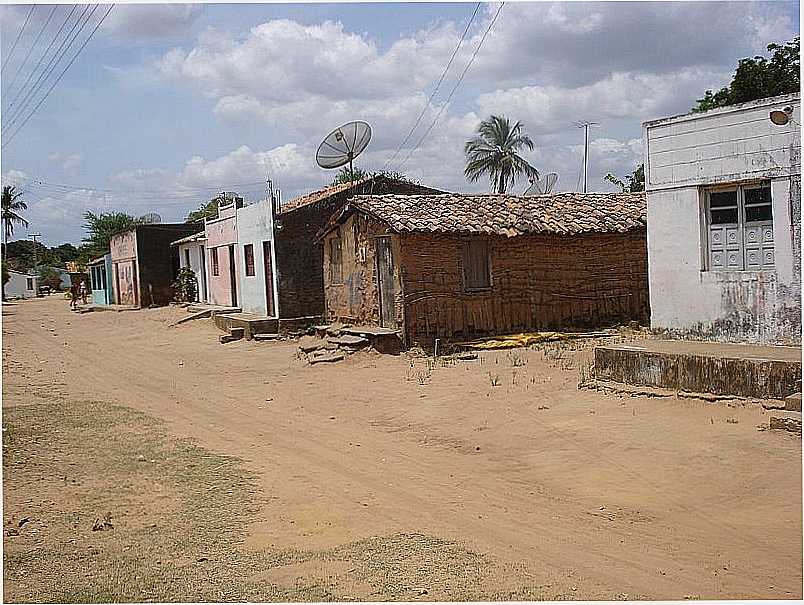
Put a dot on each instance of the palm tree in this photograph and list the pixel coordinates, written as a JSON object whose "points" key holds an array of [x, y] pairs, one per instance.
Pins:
{"points": [[494, 152], [12, 206]]}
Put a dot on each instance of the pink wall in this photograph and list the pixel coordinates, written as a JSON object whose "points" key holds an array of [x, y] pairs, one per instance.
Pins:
{"points": [[220, 233]]}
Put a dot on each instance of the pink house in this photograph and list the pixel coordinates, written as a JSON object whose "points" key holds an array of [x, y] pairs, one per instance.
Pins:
{"points": [[222, 256]]}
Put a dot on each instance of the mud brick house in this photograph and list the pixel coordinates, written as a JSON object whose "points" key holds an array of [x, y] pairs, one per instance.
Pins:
{"points": [[460, 266], [724, 222], [144, 263], [299, 253]]}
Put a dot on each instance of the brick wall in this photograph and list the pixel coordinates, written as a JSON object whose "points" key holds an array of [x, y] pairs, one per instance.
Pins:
{"points": [[158, 261], [538, 282]]}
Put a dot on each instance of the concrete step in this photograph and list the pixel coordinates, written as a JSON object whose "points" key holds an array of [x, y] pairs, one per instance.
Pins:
{"points": [[234, 334], [265, 337], [793, 402]]}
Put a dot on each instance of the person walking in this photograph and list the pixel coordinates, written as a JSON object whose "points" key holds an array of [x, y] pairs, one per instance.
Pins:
{"points": [[74, 296]]}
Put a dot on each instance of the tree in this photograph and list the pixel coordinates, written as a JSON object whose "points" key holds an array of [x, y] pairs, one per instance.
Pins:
{"points": [[12, 205], [495, 153], [48, 276], [759, 78], [206, 210], [630, 183], [101, 227], [347, 176]]}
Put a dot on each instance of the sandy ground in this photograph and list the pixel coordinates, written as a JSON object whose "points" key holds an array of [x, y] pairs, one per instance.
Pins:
{"points": [[560, 493]]}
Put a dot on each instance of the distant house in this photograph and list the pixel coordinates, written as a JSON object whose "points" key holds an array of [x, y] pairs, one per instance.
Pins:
{"points": [[21, 285], [191, 250], [299, 254], [461, 266], [724, 222], [144, 264], [220, 233], [100, 280]]}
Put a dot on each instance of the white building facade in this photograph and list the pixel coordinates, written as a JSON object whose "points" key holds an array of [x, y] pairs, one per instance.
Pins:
{"points": [[191, 254], [21, 285], [257, 262], [724, 222]]}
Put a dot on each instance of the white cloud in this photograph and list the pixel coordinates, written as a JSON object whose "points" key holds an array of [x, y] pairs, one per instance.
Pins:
{"points": [[68, 162], [150, 21]]}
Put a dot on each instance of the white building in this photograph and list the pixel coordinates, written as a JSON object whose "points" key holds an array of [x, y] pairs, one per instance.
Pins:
{"points": [[191, 254], [724, 222], [21, 285], [258, 289]]}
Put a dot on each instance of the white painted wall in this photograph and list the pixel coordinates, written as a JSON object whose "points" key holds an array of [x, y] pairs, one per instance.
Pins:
{"points": [[685, 154], [195, 249], [17, 285], [254, 226]]}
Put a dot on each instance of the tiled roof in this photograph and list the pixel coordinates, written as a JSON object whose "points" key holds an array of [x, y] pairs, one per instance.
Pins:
{"points": [[195, 237], [560, 213], [321, 194]]}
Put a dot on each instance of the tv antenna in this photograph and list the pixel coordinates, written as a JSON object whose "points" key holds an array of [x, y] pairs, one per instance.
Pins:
{"points": [[152, 218], [585, 125], [343, 145], [543, 185]]}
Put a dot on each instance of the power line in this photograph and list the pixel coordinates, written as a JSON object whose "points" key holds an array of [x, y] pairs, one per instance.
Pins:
{"points": [[61, 75], [51, 66], [42, 58], [454, 88], [435, 90], [30, 50], [161, 191], [19, 35]]}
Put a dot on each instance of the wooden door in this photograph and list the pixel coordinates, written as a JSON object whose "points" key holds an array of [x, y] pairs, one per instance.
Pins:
{"points": [[386, 286], [269, 279], [233, 274]]}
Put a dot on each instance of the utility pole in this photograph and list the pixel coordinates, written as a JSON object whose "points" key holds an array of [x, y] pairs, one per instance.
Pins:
{"points": [[33, 236], [585, 125]]}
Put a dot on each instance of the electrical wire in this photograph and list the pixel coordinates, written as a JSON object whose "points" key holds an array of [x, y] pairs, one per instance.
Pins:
{"points": [[435, 90], [30, 50], [454, 88], [44, 54], [52, 65], [19, 35], [213, 188], [61, 75]]}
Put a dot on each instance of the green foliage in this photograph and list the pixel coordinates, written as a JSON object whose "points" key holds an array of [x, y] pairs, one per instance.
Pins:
{"points": [[346, 176], [48, 276], [206, 210], [758, 78], [185, 286], [101, 227], [631, 183], [495, 153], [12, 206]]}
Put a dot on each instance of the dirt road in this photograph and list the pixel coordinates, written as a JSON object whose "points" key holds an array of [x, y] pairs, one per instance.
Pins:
{"points": [[565, 493]]}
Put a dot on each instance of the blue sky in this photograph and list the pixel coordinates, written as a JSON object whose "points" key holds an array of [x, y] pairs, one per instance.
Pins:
{"points": [[169, 103]]}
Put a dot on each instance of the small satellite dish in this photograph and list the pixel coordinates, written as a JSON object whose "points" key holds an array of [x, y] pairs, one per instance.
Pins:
{"points": [[781, 118], [152, 218], [544, 185], [343, 145]]}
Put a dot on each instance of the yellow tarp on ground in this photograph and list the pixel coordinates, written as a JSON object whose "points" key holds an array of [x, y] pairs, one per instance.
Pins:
{"points": [[524, 339]]}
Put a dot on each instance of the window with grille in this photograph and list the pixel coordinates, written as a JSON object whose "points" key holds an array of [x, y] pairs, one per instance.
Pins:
{"points": [[335, 261], [248, 255], [740, 228], [29, 283], [476, 265], [216, 268]]}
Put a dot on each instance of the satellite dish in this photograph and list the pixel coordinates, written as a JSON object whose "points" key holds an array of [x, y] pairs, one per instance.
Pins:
{"points": [[544, 185], [781, 118], [152, 218], [343, 145]]}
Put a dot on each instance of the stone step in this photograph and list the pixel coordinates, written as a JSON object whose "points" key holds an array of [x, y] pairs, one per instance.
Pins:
{"points": [[792, 403], [349, 340], [262, 337], [322, 357]]}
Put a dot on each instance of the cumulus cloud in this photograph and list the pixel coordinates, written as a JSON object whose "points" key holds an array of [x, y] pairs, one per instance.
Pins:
{"points": [[151, 21], [68, 162]]}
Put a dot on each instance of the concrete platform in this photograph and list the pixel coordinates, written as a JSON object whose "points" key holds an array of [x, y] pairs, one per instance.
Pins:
{"points": [[250, 323], [762, 372]]}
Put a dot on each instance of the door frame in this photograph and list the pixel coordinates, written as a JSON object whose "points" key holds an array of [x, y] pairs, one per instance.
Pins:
{"points": [[233, 273], [390, 257], [268, 275]]}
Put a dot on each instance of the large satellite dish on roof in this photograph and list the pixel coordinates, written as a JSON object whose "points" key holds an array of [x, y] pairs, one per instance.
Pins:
{"points": [[543, 185], [343, 145]]}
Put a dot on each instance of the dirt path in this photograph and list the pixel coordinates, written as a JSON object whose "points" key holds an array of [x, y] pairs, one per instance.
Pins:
{"points": [[593, 496]]}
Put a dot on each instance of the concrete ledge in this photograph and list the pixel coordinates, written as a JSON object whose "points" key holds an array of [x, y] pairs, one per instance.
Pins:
{"points": [[736, 370], [251, 324]]}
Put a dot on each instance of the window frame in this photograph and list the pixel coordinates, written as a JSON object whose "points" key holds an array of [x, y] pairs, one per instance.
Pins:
{"points": [[744, 230], [214, 261], [466, 246], [248, 254]]}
